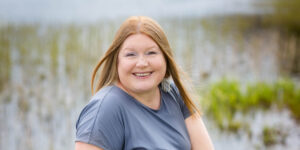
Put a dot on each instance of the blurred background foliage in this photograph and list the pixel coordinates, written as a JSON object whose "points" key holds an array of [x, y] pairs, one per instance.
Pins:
{"points": [[285, 16], [245, 66], [227, 97], [281, 16]]}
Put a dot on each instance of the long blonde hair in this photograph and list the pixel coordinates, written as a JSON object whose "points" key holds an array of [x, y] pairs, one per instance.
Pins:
{"points": [[147, 26]]}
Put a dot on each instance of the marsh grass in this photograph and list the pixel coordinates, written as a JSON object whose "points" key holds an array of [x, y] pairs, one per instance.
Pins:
{"points": [[5, 62], [283, 20], [273, 135], [284, 15], [227, 97]]}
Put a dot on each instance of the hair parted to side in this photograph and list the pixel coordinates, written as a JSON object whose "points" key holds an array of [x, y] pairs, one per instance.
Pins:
{"points": [[149, 27]]}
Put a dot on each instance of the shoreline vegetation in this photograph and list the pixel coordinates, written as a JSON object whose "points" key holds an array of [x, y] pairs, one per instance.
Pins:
{"points": [[226, 98]]}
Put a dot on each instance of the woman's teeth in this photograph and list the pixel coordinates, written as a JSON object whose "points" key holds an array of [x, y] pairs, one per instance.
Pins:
{"points": [[142, 74]]}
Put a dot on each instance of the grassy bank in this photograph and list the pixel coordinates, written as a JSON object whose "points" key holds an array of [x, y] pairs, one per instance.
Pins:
{"points": [[227, 97]]}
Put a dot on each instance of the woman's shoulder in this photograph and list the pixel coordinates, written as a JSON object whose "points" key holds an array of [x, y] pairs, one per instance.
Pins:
{"points": [[105, 103], [101, 118], [107, 100], [102, 93], [108, 97]]}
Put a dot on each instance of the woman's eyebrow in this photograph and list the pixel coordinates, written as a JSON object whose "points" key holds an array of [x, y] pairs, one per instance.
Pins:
{"points": [[153, 47], [128, 48], [148, 48]]}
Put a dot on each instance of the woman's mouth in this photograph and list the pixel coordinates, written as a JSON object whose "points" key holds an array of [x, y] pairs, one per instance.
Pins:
{"points": [[142, 75]]}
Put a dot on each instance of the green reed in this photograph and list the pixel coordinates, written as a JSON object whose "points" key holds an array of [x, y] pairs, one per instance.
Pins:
{"points": [[226, 97]]}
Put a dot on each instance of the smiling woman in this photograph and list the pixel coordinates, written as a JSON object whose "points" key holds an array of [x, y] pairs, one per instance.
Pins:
{"points": [[135, 107]]}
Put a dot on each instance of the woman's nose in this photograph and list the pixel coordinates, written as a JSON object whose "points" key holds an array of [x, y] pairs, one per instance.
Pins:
{"points": [[142, 62]]}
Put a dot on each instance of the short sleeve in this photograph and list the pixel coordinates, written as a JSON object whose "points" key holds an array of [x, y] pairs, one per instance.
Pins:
{"points": [[100, 124], [176, 94]]}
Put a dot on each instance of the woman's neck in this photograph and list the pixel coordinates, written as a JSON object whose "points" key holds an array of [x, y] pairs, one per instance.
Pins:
{"points": [[150, 98]]}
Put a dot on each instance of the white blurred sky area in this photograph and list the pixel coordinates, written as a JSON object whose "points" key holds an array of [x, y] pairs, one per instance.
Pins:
{"points": [[93, 10]]}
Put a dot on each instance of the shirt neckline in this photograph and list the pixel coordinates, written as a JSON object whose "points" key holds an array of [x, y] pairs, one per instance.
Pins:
{"points": [[141, 104]]}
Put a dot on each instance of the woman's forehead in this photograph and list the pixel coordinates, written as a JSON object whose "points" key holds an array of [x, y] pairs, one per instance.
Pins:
{"points": [[139, 40]]}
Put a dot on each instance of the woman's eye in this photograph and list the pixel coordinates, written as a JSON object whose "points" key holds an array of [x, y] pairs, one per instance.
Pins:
{"points": [[129, 54], [151, 53]]}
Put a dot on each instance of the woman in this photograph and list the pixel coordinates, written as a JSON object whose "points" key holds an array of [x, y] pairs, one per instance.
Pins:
{"points": [[135, 106]]}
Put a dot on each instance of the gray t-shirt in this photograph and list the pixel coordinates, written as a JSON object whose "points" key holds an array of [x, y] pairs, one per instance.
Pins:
{"points": [[114, 120]]}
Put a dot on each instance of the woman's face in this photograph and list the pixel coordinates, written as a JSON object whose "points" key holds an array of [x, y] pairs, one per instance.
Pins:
{"points": [[141, 64]]}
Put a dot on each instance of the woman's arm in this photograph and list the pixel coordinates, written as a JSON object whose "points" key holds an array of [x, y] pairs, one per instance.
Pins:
{"points": [[85, 146], [199, 137]]}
